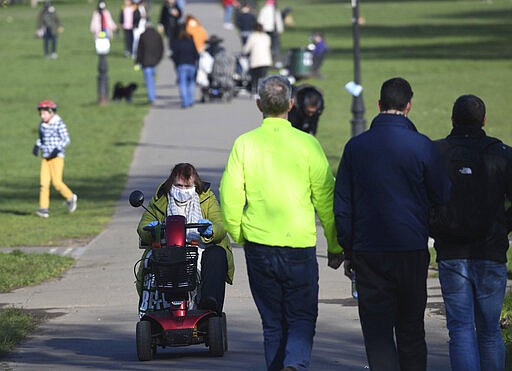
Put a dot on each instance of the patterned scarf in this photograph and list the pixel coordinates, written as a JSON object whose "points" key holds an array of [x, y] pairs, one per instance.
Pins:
{"points": [[190, 209]]}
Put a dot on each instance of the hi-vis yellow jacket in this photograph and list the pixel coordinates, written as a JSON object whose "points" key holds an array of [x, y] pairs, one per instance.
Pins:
{"points": [[275, 179]]}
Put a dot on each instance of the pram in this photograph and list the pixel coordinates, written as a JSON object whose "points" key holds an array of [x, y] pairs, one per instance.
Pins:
{"points": [[219, 84]]}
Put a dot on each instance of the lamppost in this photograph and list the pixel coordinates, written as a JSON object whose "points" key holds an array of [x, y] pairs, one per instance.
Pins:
{"points": [[102, 79], [358, 122]]}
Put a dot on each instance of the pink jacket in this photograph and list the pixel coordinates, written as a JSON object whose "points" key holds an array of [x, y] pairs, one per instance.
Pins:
{"points": [[110, 25]]}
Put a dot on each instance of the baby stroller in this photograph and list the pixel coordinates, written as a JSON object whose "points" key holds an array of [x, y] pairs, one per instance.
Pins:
{"points": [[220, 80], [168, 316]]}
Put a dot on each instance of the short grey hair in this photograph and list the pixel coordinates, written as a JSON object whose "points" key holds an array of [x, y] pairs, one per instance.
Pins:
{"points": [[275, 93]]}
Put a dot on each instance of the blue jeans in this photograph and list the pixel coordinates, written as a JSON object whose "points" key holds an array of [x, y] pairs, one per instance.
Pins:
{"points": [[49, 43], [149, 78], [187, 84], [228, 11], [284, 285], [473, 292]]}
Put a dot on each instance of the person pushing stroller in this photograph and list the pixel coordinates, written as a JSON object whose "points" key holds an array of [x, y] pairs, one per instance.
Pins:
{"points": [[216, 71]]}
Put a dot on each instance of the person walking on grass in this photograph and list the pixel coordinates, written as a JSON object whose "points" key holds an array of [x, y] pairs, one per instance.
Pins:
{"points": [[276, 178], [387, 178], [102, 24], [471, 238], [126, 22], [53, 139], [48, 28]]}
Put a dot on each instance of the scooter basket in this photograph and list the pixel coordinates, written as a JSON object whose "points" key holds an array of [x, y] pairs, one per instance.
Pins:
{"points": [[175, 269]]}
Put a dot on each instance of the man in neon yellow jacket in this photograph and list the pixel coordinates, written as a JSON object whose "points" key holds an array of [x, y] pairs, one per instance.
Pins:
{"points": [[275, 179]]}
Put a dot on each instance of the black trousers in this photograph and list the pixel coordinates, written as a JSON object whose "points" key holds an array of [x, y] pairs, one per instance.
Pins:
{"points": [[257, 74], [128, 41], [392, 291], [214, 268]]}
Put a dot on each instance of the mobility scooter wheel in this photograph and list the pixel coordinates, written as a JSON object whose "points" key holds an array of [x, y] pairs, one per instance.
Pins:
{"points": [[145, 348], [216, 341]]}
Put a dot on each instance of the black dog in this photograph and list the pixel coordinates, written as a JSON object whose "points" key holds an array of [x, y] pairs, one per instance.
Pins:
{"points": [[124, 92]]}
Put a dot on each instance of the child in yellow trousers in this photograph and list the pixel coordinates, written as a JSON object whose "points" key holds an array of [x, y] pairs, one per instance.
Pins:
{"points": [[53, 139]]}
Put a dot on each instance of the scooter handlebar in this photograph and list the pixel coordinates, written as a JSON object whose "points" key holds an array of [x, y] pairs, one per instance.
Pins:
{"points": [[187, 226], [196, 225]]}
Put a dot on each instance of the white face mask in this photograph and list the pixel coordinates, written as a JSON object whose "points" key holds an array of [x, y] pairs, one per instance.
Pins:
{"points": [[182, 194]]}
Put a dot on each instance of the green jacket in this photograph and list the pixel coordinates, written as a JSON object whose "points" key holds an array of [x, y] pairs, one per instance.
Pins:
{"points": [[50, 20], [276, 178], [211, 211]]}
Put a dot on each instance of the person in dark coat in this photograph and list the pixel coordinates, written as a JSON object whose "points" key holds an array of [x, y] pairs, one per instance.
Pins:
{"points": [[48, 28], [387, 178], [149, 54], [471, 238], [307, 108], [245, 21], [186, 57], [169, 19]]}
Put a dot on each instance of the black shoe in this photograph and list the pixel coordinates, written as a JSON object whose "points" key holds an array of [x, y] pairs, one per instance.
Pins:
{"points": [[289, 368]]}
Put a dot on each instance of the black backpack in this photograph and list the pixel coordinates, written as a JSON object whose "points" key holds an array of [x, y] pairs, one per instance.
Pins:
{"points": [[468, 216]]}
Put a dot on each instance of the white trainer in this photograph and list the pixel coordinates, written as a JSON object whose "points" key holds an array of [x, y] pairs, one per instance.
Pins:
{"points": [[72, 203]]}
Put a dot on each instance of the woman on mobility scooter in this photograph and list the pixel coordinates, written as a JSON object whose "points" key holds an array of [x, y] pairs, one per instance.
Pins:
{"points": [[183, 193]]}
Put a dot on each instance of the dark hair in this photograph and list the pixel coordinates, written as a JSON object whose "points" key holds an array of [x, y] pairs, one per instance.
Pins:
{"points": [[312, 98], [275, 93], [182, 32], [395, 93], [186, 171], [468, 110], [101, 6]]}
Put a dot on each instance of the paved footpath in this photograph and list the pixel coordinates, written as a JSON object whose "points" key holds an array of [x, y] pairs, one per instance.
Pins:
{"points": [[92, 308]]}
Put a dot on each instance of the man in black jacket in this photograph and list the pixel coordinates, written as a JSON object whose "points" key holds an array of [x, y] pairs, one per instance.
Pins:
{"points": [[169, 19], [149, 54], [471, 238]]}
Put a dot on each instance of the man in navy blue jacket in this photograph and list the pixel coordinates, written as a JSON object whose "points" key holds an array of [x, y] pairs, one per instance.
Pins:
{"points": [[387, 178]]}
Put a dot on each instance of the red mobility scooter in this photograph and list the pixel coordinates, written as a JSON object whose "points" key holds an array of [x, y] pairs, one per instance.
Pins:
{"points": [[171, 277]]}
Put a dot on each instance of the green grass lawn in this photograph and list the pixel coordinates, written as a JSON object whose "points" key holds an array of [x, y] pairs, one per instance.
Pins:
{"points": [[102, 138], [15, 265], [15, 325]]}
